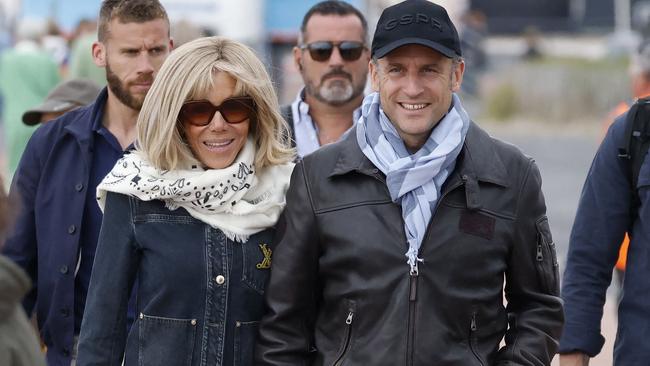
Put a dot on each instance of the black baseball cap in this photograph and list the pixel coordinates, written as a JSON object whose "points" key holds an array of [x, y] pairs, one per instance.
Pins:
{"points": [[415, 22]]}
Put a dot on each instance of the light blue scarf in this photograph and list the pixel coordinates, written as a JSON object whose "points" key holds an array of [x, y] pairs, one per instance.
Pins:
{"points": [[414, 181]]}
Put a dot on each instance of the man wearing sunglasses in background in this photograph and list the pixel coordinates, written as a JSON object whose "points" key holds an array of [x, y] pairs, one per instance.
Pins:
{"points": [[332, 57], [56, 230]]}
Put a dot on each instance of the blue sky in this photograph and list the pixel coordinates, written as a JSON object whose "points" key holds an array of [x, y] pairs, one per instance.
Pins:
{"points": [[281, 15]]}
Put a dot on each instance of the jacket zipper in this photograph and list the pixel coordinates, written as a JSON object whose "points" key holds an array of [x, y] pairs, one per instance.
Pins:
{"points": [[413, 287], [413, 296], [548, 279], [540, 253], [348, 334], [540, 263], [472, 338]]}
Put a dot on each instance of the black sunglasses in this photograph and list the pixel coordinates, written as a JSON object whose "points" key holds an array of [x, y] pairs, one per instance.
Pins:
{"points": [[322, 50], [233, 110]]}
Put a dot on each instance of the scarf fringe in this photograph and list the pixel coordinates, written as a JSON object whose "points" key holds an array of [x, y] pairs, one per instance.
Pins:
{"points": [[239, 238]]}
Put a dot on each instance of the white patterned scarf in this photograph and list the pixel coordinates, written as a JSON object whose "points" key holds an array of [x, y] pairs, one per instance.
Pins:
{"points": [[236, 200], [414, 181]]}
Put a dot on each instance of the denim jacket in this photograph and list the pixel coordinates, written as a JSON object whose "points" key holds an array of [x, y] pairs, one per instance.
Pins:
{"points": [[199, 295]]}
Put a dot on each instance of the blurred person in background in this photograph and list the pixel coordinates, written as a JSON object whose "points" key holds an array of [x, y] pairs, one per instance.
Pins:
{"points": [[27, 74], [58, 224], [82, 64], [472, 37], [55, 43], [84, 26], [332, 57], [639, 72], [532, 44], [19, 345], [184, 31], [68, 95], [191, 213], [607, 235]]}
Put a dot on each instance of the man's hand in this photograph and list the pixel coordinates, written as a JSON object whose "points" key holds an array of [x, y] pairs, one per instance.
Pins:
{"points": [[574, 359]]}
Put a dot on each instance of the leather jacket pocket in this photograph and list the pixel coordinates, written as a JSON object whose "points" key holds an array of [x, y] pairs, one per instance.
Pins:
{"points": [[347, 333], [473, 338], [546, 259], [245, 333], [256, 264], [165, 341]]}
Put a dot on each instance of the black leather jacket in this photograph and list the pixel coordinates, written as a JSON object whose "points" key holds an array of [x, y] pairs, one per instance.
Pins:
{"points": [[340, 291]]}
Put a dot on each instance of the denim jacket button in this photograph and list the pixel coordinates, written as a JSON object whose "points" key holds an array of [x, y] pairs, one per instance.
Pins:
{"points": [[193, 322], [141, 316], [220, 279]]}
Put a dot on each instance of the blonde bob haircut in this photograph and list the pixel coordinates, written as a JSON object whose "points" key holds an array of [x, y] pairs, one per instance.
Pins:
{"points": [[188, 74]]}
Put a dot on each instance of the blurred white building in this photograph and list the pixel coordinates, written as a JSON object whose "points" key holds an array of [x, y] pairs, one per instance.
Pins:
{"points": [[242, 20]]}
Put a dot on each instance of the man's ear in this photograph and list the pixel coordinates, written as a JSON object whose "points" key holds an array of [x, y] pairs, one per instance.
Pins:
{"points": [[374, 75], [99, 54], [297, 57], [457, 76]]}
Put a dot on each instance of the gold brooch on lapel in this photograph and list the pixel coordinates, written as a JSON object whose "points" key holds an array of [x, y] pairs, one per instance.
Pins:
{"points": [[266, 262]]}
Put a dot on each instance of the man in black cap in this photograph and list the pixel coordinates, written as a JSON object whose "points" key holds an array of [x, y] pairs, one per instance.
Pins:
{"points": [[399, 242]]}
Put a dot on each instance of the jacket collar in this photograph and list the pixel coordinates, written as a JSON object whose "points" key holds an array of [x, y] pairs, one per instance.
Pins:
{"points": [[478, 160], [82, 126], [351, 158]]}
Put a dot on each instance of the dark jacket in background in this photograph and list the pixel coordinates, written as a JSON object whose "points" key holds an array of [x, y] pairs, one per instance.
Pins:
{"points": [[340, 290], [200, 295], [604, 216], [51, 183]]}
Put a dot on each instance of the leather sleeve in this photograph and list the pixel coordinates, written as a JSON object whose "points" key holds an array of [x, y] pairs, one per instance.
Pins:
{"points": [[286, 331], [534, 309]]}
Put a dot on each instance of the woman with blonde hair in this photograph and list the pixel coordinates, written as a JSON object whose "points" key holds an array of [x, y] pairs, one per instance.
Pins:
{"points": [[190, 213]]}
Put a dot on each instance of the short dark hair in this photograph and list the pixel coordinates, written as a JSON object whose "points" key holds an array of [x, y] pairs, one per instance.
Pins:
{"points": [[334, 7], [127, 11]]}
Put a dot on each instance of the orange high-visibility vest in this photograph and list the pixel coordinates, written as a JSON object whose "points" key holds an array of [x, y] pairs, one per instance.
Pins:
{"points": [[622, 254]]}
